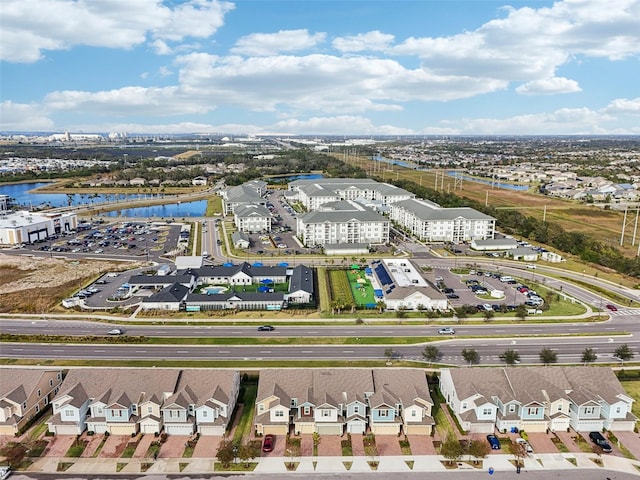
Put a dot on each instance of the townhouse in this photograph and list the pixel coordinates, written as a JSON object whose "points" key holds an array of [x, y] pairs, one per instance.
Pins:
{"points": [[127, 401], [537, 399], [339, 401], [429, 222], [25, 393]]}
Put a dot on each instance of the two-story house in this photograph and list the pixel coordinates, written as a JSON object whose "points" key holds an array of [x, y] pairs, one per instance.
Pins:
{"points": [[535, 399], [127, 401], [334, 402], [25, 393]]}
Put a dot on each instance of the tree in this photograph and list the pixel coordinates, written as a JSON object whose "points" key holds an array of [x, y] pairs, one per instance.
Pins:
{"points": [[623, 352], [510, 356], [548, 356], [451, 449], [380, 305], [401, 314], [488, 315], [390, 353], [471, 356], [521, 311], [431, 353], [589, 356], [316, 442], [248, 451], [225, 453], [479, 449]]}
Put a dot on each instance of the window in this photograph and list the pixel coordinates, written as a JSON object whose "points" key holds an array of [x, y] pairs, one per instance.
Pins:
{"points": [[205, 413], [279, 413], [326, 413], [618, 409], [464, 406], [59, 376], [589, 410], [512, 408], [486, 411], [307, 410], [383, 413], [68, 413], [356, 409], [39, 393], [533, 411], [24, 404], [559, 407], [414, 413], [173, 414], [149, 409], [99, 411], [46, 400], [51, 382], [260, 407], [37, 408]]}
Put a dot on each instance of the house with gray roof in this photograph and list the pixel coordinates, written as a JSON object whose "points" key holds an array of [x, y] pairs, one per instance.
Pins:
{"points": [[24, 394], [240, 240], [240, 195], [535, 399], [430, 222], [338, 401], [126, 401], [342, 222], [300, 285]]}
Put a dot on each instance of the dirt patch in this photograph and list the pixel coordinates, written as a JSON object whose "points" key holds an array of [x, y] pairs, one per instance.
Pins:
{"points": [[37, 284]]}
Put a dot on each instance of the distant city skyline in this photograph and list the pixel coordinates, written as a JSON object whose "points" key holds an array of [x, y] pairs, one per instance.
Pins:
{"points": [[321, 67]]}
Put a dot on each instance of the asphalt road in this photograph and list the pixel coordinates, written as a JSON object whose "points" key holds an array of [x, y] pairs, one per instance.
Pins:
{"points": [[488, 349]]}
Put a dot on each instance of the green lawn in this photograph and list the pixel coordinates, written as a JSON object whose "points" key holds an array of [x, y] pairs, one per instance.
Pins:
{"points": [[632, 387], [245, 424], [362, 292]]}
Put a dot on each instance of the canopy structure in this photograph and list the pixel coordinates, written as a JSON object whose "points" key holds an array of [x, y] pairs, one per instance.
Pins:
{"points": [[355, 267]]}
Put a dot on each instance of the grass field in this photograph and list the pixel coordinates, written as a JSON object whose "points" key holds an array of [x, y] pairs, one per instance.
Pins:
{"points": [[362, 292], [340, 287], [633, 388]]}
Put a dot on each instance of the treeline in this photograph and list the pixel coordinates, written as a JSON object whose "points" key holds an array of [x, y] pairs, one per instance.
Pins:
{"points": [[51, 174], [516, 223]]}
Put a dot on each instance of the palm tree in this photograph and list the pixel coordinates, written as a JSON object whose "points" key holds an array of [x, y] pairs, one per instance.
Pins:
{"points": [[380, 305]]}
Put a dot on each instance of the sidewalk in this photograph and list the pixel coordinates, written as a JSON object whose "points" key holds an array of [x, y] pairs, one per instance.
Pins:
{"points": [[359, 464]]}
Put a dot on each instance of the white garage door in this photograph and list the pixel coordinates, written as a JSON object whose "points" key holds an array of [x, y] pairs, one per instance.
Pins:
{"points": [[149, 428], [356, 427], [178, 429]]}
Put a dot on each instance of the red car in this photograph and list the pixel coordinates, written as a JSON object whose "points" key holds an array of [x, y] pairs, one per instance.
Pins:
{"points": [[613, 308], [267, 445]]}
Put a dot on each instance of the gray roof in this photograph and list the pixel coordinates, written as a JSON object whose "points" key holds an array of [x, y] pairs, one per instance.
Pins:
{"points": [[242, 296], [175, 293], [301, 279], [231, 270], [426, 210], [366, 215], [16, 384], [237, 236], [243, 193], [497, 242], [159, 279], [539, 384], [404, 386], [245, 211]]}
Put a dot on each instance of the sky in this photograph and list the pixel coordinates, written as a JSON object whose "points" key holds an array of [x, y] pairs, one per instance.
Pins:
{"points": [[321, 67]]}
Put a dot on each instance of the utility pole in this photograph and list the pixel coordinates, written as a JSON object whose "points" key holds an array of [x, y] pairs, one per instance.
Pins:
{"points": [[486, 199], [544, 214], [635, 228], [624, 224]]}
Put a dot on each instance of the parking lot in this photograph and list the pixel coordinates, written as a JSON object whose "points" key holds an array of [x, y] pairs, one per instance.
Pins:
{"points": [[476, 288]]}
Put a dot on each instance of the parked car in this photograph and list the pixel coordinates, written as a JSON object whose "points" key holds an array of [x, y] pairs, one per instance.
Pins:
{"points": [[446, 331], [267, 444], [452, 296], [525, 445], [493, 441], [598, 439], [266, 328]]}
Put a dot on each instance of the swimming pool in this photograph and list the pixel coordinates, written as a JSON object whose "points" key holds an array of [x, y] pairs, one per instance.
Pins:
{"points": [[215, 290]]}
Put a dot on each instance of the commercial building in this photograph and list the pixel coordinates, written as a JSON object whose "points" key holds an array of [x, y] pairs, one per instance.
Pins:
{"points": [[27, 227]]}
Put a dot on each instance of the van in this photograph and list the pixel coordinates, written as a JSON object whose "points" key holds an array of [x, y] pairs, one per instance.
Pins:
{"points": [[506, 279], [205, 254]]}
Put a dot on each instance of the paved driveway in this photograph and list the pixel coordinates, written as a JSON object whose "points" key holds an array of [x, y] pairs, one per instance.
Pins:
{"points": [[174, 446], [357, 445], [143, 445], [58, 445], [207, 447], [331, 446], [541, 442], [94, 442], [421, 445], [631, 440], [279, 446], [567, 439], [388, 445], [114, 446]]}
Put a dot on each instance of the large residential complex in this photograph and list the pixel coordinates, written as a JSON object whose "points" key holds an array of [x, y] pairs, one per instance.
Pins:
{"points": [[537, 399], [342, 222], [429, 222]]}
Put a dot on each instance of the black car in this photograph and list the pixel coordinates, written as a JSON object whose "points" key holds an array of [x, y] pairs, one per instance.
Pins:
{"points": [[598, 439], [452, 296], [266, 328], [493, 441]]}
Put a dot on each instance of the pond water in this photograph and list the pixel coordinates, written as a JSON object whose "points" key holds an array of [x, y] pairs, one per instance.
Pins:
{"points": [[185, 209]]}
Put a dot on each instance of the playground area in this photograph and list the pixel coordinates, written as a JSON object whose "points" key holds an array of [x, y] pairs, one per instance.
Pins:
{"points": [[361, 288]]}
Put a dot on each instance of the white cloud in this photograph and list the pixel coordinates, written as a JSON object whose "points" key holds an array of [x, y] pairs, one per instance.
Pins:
{"points": [[337, 125], [624, 106], [549, 86], [284, 41], [24, 117], [161, 47], [370, 41], [30, 27]]}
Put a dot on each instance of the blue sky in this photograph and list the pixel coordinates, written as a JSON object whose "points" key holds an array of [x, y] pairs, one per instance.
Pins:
{"points": [[360, 67]]}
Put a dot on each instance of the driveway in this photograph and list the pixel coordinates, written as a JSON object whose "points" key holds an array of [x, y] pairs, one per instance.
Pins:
{"points": [[357, 444], [541, 442], [388, 445], [143, 445], [331, 446], [279, 446], [207, 447], [631, 440], [421, 445], [174, 446], [306, 445], [568, 439], [59, 445], [114, 446], [92, 446]]}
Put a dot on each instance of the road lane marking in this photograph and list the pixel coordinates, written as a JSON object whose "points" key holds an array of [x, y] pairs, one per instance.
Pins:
{"points": [[306, 351], [141, 351], [182, 351], [265, 351], [98, 351], [347, 351], [223, 351]]}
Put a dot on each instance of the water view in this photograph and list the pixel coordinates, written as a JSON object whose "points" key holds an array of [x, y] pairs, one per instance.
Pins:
{"points": [[170, 210]]}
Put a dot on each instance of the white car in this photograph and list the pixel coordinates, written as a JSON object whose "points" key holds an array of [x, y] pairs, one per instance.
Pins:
{"points": [[531, 266], [527, 448], [115, 331], [446, 331]]}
